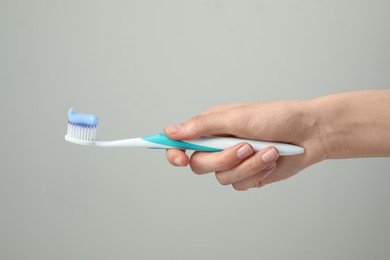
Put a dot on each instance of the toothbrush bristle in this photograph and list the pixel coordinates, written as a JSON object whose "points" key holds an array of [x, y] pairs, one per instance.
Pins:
{"points": [[82, 126], [81, 132]]}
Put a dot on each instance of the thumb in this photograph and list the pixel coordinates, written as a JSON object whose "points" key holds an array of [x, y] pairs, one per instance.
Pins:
{"points": [[200, 125]]}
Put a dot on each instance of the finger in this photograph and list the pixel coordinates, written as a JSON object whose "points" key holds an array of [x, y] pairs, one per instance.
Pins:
{"points": [[202, 162], [255, 180], [250, 167], [288, 166], [177, 157], [208, 124]]}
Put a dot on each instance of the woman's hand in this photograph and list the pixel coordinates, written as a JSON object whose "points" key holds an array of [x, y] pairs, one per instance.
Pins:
{"points": [[346, 125], [239, 166]]}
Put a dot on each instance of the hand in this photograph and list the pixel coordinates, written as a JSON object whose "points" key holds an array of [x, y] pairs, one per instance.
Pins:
{"points": [[239, 166]]}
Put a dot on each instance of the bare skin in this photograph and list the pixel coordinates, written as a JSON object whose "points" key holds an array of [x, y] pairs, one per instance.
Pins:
{"points": [[346, 125]]}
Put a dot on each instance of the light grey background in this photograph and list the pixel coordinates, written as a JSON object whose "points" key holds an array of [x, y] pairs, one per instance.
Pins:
{"points": [[141, 65]]}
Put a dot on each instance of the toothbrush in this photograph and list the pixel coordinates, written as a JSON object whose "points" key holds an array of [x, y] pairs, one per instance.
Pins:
{"points": [[82, 131]]}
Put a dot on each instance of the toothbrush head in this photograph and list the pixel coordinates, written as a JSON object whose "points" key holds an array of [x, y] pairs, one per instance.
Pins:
{"points": [[81, 127]]}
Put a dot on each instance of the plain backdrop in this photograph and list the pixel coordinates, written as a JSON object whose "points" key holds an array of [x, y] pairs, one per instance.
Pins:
{"points": [[141, 65]]}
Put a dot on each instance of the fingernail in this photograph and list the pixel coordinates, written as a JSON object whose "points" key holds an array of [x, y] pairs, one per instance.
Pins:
{"points": [[244, 151], [270, 156], [178, 161], [172, 129]]}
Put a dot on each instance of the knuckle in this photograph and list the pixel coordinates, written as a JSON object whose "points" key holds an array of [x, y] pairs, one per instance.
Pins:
{"points": [[221, 178], [226, 160], [197, 120], [252, 166]]}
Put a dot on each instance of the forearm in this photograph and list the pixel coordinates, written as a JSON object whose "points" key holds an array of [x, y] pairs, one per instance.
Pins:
{"points": [[355, 124]]}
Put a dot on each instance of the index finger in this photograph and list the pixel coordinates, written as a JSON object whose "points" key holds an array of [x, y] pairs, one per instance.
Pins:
{"points": [[204, 162]]}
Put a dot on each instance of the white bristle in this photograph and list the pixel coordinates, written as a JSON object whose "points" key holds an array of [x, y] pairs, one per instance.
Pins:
{"points": [[85, 133]]}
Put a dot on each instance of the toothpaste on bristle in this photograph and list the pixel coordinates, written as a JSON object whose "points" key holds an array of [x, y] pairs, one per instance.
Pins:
{"points": [[82, 126]]}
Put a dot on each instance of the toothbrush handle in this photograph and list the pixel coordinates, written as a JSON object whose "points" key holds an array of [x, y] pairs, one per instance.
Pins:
{"points": [[216, 144]]}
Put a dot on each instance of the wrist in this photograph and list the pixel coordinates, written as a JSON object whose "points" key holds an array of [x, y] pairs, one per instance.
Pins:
{"points": [[314, 137], [353, 124], [324, 112]]}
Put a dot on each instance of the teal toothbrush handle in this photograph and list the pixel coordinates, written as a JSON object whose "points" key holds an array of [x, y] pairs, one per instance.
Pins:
{"points": [[217, 144]]}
